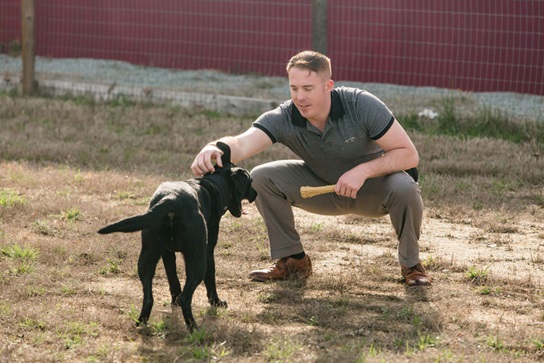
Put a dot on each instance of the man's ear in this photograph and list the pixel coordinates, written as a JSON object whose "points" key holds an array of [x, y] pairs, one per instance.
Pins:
{"points": [[226, 152], [329, 85]]}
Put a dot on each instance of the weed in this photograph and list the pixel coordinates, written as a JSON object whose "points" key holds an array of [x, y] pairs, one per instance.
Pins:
{"points": [[477, 276], [43, 228], [448, 123], [75, 331], [198, 352], [16, 251], [199, 336], [477, 206], [23, 268], [220, 351], [206, 352], [211, 114], [410, 122], [495, 342], [4, 308], [125, 195], [86, 100], [281, 350], [313, 321], [112, 268], [317, 227], [425, 341], [432, 263], [31, 324], [120, 100], [71, 215], [10, 198], [68, 291], [132, 313], [493, 123], [373, 351], [159, 328], [36, 291], [79, 177]]}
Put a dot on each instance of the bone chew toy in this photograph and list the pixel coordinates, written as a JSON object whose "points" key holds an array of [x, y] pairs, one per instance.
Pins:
{"points": [[308, 192]]}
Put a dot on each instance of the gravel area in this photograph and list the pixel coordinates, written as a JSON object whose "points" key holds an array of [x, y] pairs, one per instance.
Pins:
{"points": [[96, 76]]}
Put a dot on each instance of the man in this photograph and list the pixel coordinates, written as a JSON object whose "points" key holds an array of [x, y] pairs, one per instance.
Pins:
{"points": [[344, 136]]}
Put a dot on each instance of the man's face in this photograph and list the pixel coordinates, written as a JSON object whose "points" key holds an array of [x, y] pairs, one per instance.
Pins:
{"points": [[310, 93]]}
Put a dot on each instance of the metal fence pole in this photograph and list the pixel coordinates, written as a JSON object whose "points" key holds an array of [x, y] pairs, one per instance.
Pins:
{"points": [[28, 55], [319, 26]]}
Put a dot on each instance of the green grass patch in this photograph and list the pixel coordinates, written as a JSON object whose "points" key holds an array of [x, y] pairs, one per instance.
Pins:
{"points": [[486, 122], [10, 198], [16, 251]]}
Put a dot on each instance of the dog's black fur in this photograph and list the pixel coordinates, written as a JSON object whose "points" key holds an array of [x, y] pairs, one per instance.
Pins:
{"points": [[184, 217]]}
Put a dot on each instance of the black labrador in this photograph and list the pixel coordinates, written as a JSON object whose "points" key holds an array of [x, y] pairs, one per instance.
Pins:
{"points": [[184, 217]]}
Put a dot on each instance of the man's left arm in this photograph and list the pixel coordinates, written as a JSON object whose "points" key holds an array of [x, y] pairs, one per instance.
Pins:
{"points": [[399, 154]]}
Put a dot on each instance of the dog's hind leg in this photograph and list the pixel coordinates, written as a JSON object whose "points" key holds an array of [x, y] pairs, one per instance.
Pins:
{"points": [[194, 254], [147, 264], [169, 261]]}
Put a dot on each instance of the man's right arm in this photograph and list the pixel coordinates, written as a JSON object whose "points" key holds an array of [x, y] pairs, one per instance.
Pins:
{"points": [[243, 146]]}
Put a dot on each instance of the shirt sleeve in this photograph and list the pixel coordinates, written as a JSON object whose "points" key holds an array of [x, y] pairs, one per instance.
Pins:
{"points": [[373, 114], [274, 123]]}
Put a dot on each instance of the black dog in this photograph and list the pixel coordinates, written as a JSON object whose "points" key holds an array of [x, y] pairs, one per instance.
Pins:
{"points": [[184, 217]]}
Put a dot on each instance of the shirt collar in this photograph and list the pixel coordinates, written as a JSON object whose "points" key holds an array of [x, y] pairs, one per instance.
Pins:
{"points": [[337, 110]]}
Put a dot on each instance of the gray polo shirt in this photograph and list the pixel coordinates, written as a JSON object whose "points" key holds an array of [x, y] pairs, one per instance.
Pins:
{"points": [[356, 119]]}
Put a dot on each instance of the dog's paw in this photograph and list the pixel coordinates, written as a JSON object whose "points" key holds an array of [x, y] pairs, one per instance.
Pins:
{"points": [[176, 300], [141, 322], [218, 303]]}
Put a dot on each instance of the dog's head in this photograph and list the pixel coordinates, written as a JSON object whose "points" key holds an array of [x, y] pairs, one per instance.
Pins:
{"points": [[241, 189], [239, 182]]}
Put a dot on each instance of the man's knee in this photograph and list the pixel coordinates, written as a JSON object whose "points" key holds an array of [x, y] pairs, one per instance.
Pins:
{"points": [[405, 190], [260, 176]]}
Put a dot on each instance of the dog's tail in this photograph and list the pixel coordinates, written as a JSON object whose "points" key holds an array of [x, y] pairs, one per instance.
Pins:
{"points": [[153, 217]]}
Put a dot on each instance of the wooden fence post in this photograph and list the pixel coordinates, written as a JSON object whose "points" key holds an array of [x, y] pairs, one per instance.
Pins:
{"points": [[319, 26], [28, 56]]}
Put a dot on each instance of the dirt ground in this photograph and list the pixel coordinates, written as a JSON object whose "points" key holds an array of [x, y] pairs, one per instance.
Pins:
{"points": [[68, 167]]}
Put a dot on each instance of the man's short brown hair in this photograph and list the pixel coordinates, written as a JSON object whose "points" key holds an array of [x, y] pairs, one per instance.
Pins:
{"points": [[312, 61]]}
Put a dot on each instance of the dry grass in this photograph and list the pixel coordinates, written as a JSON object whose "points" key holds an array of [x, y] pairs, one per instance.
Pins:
{"points": [[68, 294]]}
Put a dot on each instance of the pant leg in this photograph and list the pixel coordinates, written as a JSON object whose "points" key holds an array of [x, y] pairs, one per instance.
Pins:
{"points": [[278, 190], [278, 186], [400, 197]]}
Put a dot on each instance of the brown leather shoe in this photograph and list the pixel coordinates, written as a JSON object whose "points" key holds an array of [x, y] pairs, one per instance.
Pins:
{"points": [[416, 276], [284, 268]]}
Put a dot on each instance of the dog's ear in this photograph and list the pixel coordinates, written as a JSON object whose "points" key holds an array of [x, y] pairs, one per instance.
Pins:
{"points": [[226, 153], [241, 181]]}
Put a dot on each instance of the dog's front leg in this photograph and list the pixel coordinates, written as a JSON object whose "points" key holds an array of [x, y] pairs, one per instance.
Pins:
{"points": [[209, 278], [211, 287]]}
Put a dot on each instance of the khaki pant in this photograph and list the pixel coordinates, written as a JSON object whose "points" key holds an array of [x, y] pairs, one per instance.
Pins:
{"points": [[278, 186]]}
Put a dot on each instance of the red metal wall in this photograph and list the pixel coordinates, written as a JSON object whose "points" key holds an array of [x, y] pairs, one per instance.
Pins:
{"points": [[465, 44], [474, 45], [10, 23]]}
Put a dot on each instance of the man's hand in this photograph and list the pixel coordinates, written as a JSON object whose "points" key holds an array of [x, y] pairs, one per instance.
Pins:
{"points": [[349, 184], [204, 161]]}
